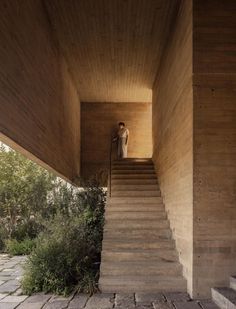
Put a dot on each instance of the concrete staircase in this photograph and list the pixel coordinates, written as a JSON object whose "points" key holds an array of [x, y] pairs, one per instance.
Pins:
{"points": [[138, 253], [225, 297]]}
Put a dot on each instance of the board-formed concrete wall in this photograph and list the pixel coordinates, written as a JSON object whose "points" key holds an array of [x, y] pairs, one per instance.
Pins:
{"points": [[173, 131], [214, 80], [39, 105], [99, 121]]}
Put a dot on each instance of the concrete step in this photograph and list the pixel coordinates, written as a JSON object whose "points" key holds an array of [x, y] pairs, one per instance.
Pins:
{"points": [[135, 193], [132, 284], [130, 215], [134, 244], [141, 268], [133, 176], [137, 187], [133, 182], [134, 200], [133, 167], [133, 171], [135, 208], [160, 255], [225, 298], [133, 160], [233, 282], [137, 234], [114, 224]]}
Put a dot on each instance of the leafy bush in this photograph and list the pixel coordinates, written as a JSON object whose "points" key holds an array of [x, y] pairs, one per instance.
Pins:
{"points": [[24, 247], [3, 237], [68, 251], [62, 224], [24, 190]]}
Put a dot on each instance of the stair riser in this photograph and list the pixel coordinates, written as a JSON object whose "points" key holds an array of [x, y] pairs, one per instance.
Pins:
{"points": [[131, 172], [129, 286], [135, 215], [139, 245], [135, 187], [134, 200], [126, 288], [134, 256], [137, 234], [136, 193], [221, 301], [133, 167], [117, 224], [132, 271], [133, 176], [233, 283], [142, 209], [152, 181], [130, 161]]}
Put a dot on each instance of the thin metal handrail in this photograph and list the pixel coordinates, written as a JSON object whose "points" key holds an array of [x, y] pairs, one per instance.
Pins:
{"points": [[110, 164]]}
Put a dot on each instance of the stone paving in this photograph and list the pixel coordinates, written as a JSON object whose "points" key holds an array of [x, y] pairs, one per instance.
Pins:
{"points": [[11, 295]]}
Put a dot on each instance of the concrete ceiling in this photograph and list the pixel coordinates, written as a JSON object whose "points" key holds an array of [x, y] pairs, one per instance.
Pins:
{"points": [[113, 47]]}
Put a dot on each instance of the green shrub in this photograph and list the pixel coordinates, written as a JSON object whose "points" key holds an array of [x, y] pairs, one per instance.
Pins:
{"points": [[65, 257], [26, 229], [23, 247], [3, 237], [68, 251]]}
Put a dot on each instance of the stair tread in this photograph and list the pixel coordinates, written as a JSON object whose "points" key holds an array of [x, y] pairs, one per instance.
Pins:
{"points": [[146, 278], [226, 293]]}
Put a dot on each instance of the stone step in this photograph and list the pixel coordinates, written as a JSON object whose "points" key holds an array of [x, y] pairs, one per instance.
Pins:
{"points": [[133, 171], [135, 208], [233, 282], [141, 215], [133, 176], [133, 182], [137, 234], [128, 224], [134, 200], [138, 187], [133, 160], [141, 268], [132, 284], [134, 244], [135, 255], [225, 297], [135, 193], [133, 167]]}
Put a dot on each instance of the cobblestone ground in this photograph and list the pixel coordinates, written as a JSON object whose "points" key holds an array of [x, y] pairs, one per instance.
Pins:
{"points": [[11, 295]]}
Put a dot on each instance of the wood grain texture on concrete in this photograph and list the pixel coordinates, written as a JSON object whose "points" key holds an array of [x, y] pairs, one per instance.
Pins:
{"points": [[113, 48], [39, 105], [214, 87], [172, 134], [99, 121]]}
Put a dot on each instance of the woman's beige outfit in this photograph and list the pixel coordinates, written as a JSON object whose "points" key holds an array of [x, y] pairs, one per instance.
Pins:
{"points": [[122, 135]]}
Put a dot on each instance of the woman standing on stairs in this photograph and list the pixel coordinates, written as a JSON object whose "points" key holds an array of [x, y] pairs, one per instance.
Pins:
{"points": [[122, 138]]}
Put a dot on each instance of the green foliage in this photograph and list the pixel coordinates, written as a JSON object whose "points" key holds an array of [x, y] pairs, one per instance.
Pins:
{"points": [[68, 251], [23, 247], [24, 189], [60, 224]]}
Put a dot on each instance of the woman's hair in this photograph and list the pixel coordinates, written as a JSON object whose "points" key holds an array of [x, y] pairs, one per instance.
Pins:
{"points": [[121, 124]]}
